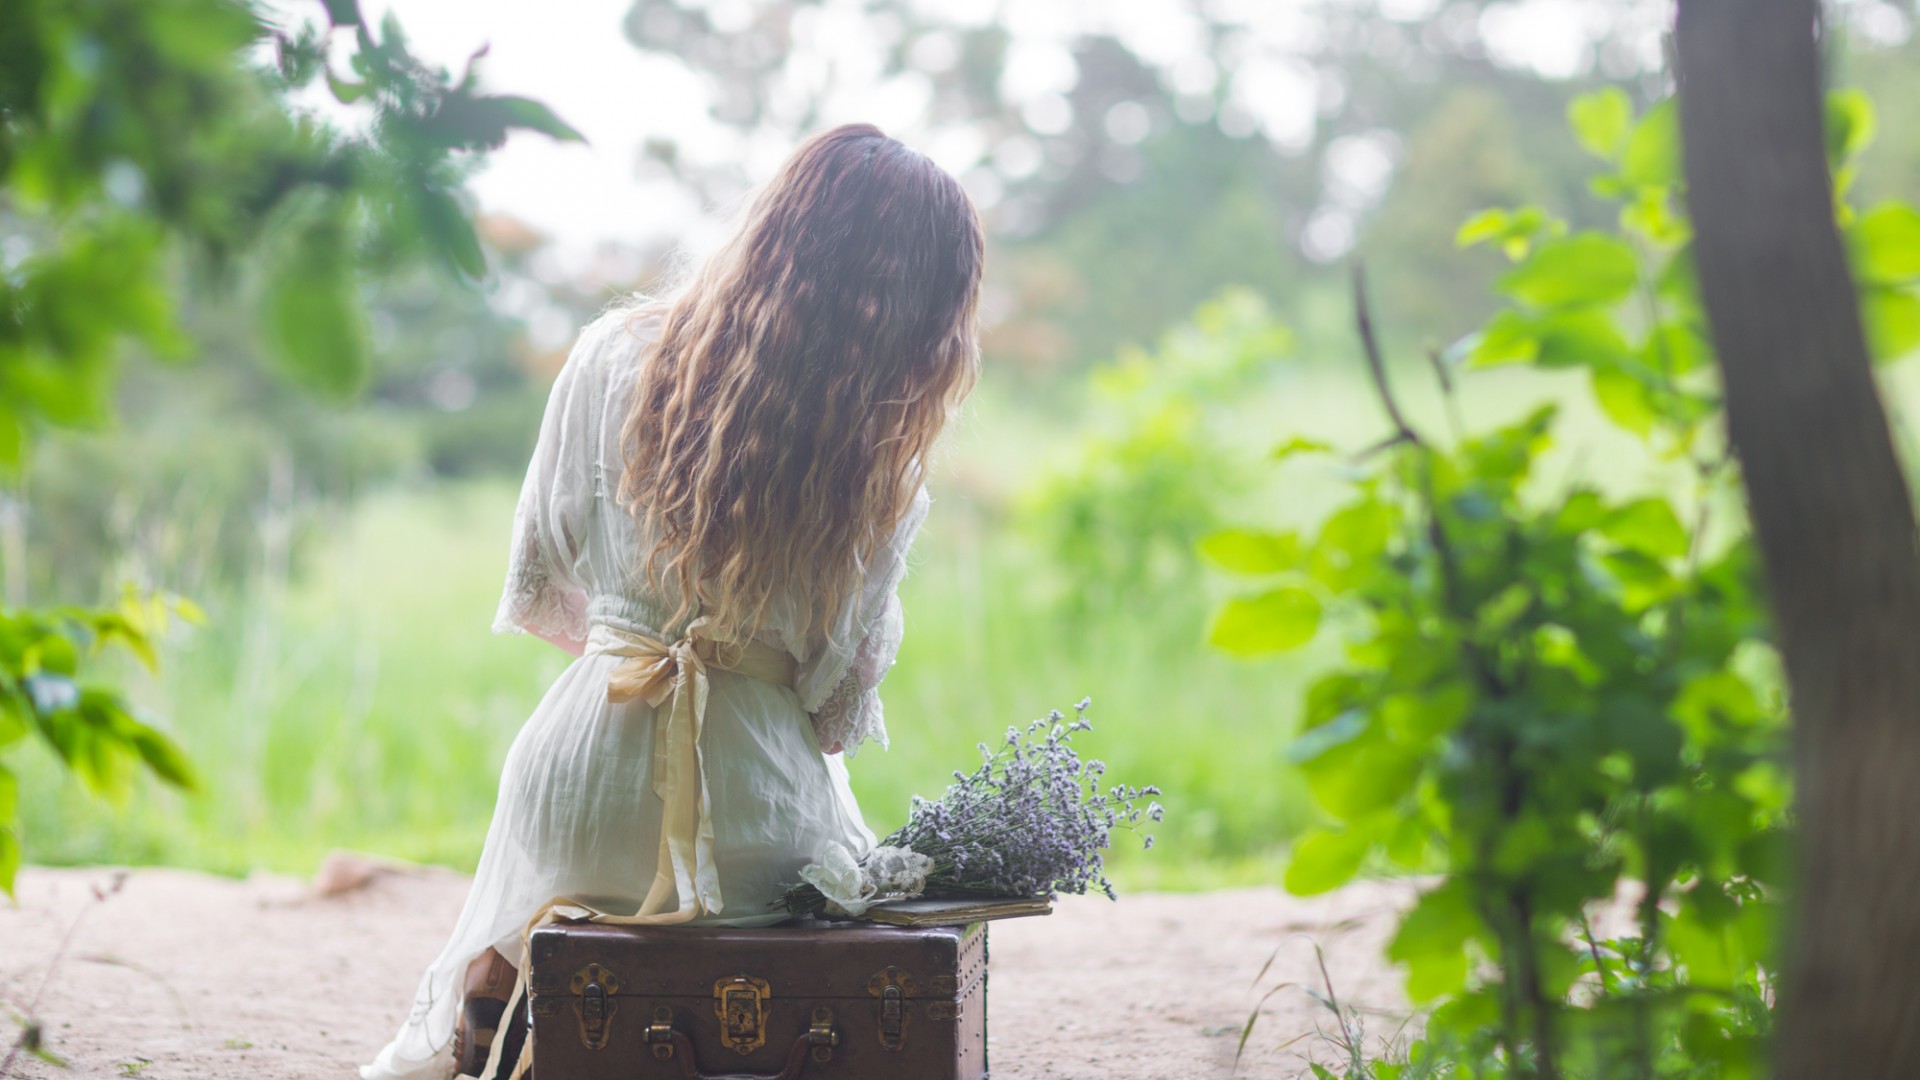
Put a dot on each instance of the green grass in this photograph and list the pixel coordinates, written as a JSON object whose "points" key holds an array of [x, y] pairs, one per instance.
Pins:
{"points": [[362, 702], [366, 706]]}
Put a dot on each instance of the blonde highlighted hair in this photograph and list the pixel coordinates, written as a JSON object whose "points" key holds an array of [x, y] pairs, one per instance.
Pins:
{"points": [[780, 419]]}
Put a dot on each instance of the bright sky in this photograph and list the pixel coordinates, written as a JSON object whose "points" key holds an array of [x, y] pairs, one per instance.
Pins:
{"points": [[573, 55]]}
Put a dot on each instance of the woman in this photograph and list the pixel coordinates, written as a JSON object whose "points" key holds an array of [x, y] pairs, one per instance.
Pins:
{"points": [[715, 521]]}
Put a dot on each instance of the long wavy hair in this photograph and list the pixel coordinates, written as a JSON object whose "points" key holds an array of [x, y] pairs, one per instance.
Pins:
{"points": [[782, 416]]}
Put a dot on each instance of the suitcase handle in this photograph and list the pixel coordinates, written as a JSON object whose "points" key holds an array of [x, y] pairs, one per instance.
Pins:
{"points": [[814, 1044], [683, 1049]]}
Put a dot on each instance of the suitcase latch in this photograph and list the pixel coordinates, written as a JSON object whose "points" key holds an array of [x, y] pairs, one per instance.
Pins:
{"points": [[593, 991], [892, 987], [741, 1003]]}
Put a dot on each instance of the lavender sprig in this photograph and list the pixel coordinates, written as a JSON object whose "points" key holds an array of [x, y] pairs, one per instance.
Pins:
{"points": [[1031, 820]]}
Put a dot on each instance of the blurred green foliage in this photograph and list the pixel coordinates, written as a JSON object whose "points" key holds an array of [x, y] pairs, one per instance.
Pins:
{"points": [[144, 154], [1564, 700], [1119, 518], [345, 692]]}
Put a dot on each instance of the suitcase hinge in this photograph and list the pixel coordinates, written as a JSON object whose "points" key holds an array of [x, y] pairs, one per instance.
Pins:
{"points": [[821, 1035], [594, 988], [741, 1003], [660, 1033], [892, 988]]}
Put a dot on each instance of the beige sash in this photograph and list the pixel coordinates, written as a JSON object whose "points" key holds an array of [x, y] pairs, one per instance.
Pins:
{"points": [[673, 676], [676, 676]]}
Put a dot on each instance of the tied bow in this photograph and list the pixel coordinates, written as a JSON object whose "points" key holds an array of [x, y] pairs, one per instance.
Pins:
{"points": [[673, 676], [673, 679]]}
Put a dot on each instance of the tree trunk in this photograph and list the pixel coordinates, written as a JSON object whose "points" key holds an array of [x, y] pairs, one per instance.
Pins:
{"points": [[1834, 521]]}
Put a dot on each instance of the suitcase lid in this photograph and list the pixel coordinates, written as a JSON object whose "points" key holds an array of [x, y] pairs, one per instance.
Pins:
{"points": [[813, 960]]}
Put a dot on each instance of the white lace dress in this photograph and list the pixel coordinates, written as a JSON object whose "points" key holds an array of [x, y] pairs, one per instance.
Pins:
{"points": [[577, 815]]}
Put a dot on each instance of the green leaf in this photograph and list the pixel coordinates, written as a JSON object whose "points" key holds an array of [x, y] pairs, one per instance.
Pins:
{"points": [[1299, 445], [1886, 244], [1323, 860], [1652, 154], [1481, 227], [534, 116], [1709, 953], [187, 610], [1652, 740], [343, 12], [1558, 647], [1601, 121], [1499, 612], [9, 859], [1576, 338], [1851, 125], [1362, 776], [1415, 716], [1350, 544], [1432, 942], [1714, 700], [1892, 318], [1678, 287], [13, 717], [447, 226], [344, 92], [1467, 1015], [1586, 268], [1508, 338], [166, 759], [1651, 214], [9, 797], [1554, 339], [1514, 230], [1644, 581], [483, 121], [1583, 510], [1276, 621], [1677, 349], [1648, 526], [1251, 551], [1625, 398], [13, 441], [1321, 738]]}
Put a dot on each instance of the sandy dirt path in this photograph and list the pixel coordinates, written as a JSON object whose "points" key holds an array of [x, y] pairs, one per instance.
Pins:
{"points": [[183, 975]]}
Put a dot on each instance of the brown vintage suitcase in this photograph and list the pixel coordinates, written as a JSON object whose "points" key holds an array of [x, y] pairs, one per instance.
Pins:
{"points": [[821, 1000]]}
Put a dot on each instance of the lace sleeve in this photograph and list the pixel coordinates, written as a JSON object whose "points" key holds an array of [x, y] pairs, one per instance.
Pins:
{"points": [[839, 684], [544, 590], [537, 599], [852, 714]]}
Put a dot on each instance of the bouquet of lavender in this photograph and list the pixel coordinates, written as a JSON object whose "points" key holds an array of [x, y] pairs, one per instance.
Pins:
{"points": [[1032, 820]]}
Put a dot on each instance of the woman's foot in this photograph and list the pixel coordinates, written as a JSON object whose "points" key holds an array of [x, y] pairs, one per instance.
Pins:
{"points": [[489, 987]]}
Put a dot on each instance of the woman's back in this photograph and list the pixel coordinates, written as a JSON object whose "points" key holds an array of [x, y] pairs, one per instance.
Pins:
{"points": [[715, 522], [577, 554]]}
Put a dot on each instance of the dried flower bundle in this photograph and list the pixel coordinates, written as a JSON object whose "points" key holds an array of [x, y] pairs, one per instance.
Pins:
{"points": [[1031, 820]]}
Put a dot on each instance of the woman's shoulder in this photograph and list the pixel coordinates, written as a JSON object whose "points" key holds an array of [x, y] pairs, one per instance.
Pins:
{"points": [[621, 334]]}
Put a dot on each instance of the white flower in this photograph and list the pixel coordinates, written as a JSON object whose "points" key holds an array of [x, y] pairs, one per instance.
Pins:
{"points": [[898, 872], [839, 878]]}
